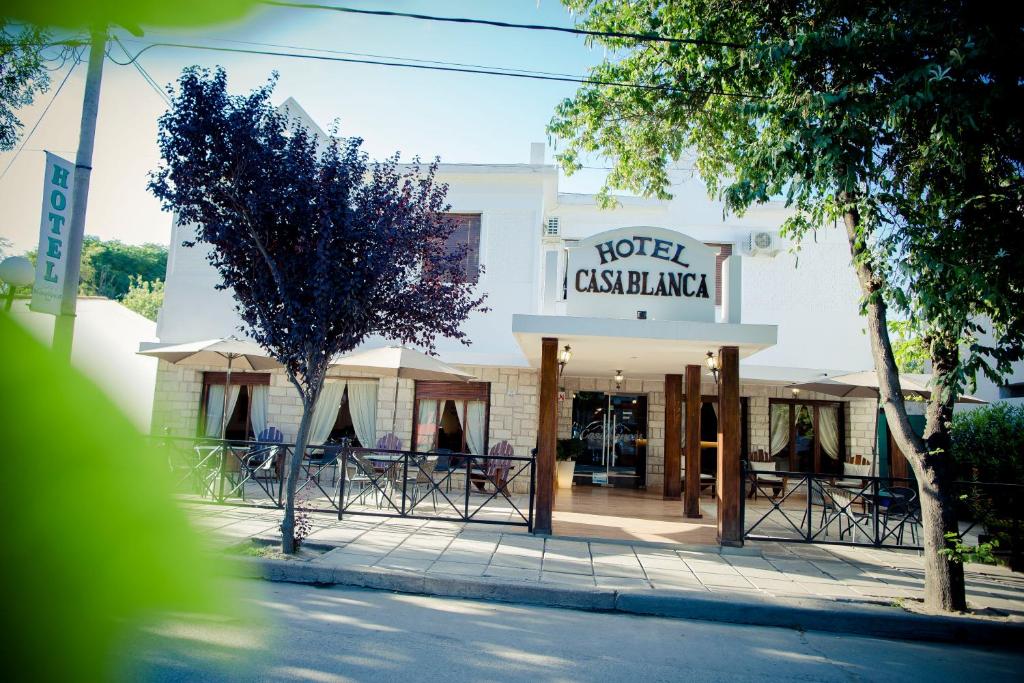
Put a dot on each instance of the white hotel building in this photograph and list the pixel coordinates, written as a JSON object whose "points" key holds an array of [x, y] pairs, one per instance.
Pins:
{"points": [[792, 316]]}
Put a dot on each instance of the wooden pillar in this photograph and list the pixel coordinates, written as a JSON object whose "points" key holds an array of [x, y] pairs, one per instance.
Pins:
{"points": [[673, 437], [547, 435], [730, 524], [691, 499]]}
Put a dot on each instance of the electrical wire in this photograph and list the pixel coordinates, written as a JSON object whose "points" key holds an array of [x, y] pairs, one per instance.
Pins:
{"points": [[142, 72], [450, 69], [78, 60], [370, 55], [640, 37]]}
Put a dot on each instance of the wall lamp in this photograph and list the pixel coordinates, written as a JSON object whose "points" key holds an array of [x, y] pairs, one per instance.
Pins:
{"points": [[564, 356], [618, 379], [712, 364]]}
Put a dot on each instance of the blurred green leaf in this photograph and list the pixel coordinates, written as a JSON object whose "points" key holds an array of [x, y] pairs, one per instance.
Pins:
{"points": [[127, 13], [94, 542]]}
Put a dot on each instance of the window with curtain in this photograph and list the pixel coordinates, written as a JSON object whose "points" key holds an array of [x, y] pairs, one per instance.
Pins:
{"points": [[807, 435], [245, 404], [451, 416]]}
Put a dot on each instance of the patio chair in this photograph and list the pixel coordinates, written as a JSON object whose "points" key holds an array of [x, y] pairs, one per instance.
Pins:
{"points": [[264, 459], [322, 459], [424, 477], [360, 473], [904, 507], [443, 465], [763, 468], [499, 467]]}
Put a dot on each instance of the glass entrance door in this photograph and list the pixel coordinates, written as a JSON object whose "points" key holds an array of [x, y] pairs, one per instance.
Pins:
{"points": [[613, 432]]}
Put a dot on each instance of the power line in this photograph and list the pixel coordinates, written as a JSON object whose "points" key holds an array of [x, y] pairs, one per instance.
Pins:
{"points": [[142, 72], [450, 69], [640, 37], [78, 60], [373, 56]]}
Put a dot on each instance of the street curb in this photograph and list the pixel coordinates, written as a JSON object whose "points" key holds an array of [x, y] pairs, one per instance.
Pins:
{"points": [[804, 614]]}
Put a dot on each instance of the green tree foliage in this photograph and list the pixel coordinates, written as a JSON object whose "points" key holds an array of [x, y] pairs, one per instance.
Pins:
{"points": [[109, 266], [988, 443], [81, 578], [23, 75], [145, 297], [897, 120], [908, 347]]}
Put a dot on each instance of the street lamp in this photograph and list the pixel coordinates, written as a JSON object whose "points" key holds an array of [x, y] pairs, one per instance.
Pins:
{"points": [[712, 364], [16, 271]]}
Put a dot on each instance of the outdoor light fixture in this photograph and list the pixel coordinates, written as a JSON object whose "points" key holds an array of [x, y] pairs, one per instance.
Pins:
{"points": [[564, 356], [618, 379], [796, 392], [712, 364]]}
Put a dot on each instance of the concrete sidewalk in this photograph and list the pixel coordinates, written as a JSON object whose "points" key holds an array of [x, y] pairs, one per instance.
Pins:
{"points": [[824, 579]]}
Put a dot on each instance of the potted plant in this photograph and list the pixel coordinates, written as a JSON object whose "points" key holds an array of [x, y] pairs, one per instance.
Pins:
{"points": [[565, 454]]}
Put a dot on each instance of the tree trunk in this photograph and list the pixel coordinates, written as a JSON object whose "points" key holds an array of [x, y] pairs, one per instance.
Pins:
{"points": [[944, 585], [938, 506], [293, 469]]}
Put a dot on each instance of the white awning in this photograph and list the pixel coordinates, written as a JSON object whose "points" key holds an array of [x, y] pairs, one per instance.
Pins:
{"points": [[640, 348]]}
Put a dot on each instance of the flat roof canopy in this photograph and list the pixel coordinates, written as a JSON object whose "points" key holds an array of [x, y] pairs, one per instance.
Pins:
{"points": [[640, 348]]}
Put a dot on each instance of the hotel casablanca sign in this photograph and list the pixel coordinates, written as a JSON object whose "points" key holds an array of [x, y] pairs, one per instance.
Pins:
{"points": [[641, 272]]}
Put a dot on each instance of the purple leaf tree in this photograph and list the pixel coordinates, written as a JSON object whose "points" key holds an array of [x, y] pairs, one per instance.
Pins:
{"points": [[320, 246]]}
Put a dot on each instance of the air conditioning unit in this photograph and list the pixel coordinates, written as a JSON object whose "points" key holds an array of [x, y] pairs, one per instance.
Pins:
{"points": [[551, 228], [762, 244]]}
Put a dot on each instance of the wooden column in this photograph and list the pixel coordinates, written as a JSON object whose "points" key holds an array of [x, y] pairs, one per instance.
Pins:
{"points": [[673, 437], [730, 524], [691, 499], [547, 435]]}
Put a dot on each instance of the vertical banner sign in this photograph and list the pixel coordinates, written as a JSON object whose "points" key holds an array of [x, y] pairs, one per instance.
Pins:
{"points": [[51, 258]]}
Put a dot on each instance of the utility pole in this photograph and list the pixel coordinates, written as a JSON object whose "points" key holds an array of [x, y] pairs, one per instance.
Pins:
{"points": [[64, 327]]}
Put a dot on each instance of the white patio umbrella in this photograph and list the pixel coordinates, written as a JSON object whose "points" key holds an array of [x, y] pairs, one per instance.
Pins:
{"points": [[865, 385], [400, 362], [230, 353]]}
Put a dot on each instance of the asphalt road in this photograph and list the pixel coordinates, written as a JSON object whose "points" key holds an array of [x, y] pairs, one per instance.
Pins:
{"points": [[300, 632]]}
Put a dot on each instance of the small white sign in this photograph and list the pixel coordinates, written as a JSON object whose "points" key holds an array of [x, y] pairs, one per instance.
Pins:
{"points": [[54, 226], [643, 272], [599, 479]]}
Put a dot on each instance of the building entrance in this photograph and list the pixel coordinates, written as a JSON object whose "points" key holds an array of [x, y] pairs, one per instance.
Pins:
{"points": [[612, 429]]}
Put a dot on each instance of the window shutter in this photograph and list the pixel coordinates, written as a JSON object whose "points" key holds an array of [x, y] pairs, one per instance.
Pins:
{"points": [[467, 231]]}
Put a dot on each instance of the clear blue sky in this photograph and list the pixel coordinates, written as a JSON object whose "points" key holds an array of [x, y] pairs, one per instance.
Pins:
{"points": [[459, 117]]}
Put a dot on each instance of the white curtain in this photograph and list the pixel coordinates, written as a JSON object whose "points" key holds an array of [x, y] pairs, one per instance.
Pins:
{"points": [[215, 408], [779, 428], [426, 425], [475, 426], [325, 413], [362, 405], [258, 408], [828, 428], [460, 413]]}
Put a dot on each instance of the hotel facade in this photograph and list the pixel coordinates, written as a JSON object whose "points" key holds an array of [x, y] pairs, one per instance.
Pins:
{"points": [[623, 300]]}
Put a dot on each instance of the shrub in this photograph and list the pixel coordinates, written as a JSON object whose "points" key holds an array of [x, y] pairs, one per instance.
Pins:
{"points": [[988, 444]]}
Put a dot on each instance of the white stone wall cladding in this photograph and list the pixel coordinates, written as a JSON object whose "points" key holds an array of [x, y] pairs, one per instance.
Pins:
{"points": [[514, 409]]}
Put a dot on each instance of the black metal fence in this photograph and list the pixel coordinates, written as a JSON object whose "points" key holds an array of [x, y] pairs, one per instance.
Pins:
{"points": [[488, 489], [457, 487], [872, 511], [812, 508]]}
